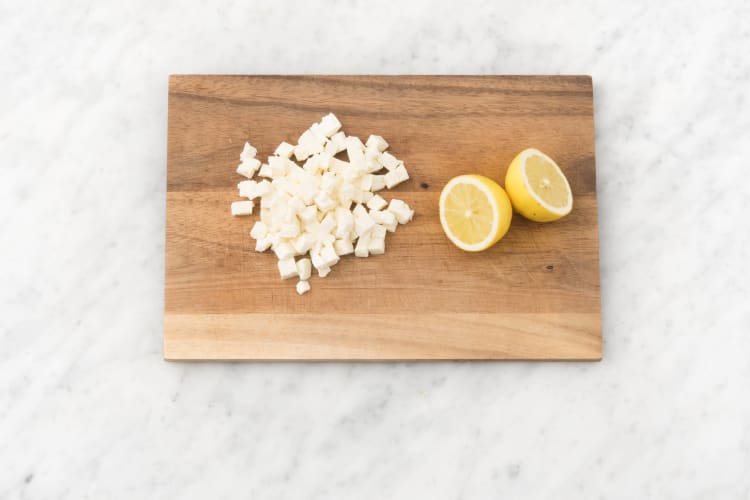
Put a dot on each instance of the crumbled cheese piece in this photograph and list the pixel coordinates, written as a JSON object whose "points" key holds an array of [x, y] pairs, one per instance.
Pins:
{"points": [[303, 287], [304, 268], [248, 152], [287, 268], [396, 176], [363, 243], [259, 230], [389, 161], [284, 150], [377, 203], [329, 125], [242, 207], [377, 142], [401, 210], [248, 167], [343, 247]]}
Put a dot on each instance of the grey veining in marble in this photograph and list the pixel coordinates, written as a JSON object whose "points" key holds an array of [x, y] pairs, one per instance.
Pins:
{"points": [[89, 410]]}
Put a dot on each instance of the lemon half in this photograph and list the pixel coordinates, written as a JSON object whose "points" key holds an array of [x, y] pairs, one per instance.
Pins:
{"points": [[537, 187], [475, 212]]}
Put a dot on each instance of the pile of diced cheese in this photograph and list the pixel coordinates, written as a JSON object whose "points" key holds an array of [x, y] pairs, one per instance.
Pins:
{"points": [[327, 207]]}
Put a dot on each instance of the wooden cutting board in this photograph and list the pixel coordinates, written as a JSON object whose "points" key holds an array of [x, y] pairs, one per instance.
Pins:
{"points": [[534, 295]]}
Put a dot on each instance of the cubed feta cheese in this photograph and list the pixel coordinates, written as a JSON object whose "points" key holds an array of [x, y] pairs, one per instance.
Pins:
{"points": [[248, 167], [363, 243], [324, 201], [290, 229], [304, 268], [385, 218], [363, 224], [376, 245], [248, 152], [287, 268], [401, 210], [265, 171], [378, 182], [329, 125], [389, 161], [263, 244], [324, 271], [328, 182], [377, 142], [343, 247], [365, 183], [328, 223], [336, 144], [259, 230], [284, 150], [278, 166], [303, 287], [283, 250], [396, 176], [328, 255], [377, 203], [242, 207], [309, 214], [303, 243]]}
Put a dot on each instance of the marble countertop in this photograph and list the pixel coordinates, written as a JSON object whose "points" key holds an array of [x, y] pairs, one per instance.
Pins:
{"points": [[88, 409]]}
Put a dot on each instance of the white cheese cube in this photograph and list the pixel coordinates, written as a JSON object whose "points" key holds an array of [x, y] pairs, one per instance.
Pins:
{"points": [[265, 171], [312, 165], [324, 160], [290, 229], [309, 214], [345, 194], [396, 176], [324, 271], [316, 259], [377, 203], [278, 165], [302, 152], [262, 188], [328, 182], [328, 255], [324, 201], [307, 192], [363, 243], [363, 224], [359, 210], [378, 182], [355, 142], [263, 244], [365, 183], [401, 210], [376, 245], [287, 268], [303, 287], [304, 268], [377, 142], [371, 152], [339, 166], [247, 189], [343, 247], [373, 165], [242, 207], [344, 222], [248, 152], [248, 167], [297, 205], [329, 124], [259, 230], [389, 161], [317, 131], [283, 250], [284, 150], [336, 144], [307, 138], [385, 218], [328, 223], [303, 243]]}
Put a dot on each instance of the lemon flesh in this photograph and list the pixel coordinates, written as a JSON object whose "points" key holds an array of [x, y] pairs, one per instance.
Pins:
{"points": [[537, 187], [475, 212]]}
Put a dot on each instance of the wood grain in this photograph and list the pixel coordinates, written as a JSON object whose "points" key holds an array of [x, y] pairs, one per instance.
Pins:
{"points": [[535, 295]]}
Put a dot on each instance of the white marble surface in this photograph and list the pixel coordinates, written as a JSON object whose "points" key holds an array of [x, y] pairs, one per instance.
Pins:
{"points": [[88, 409]]}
